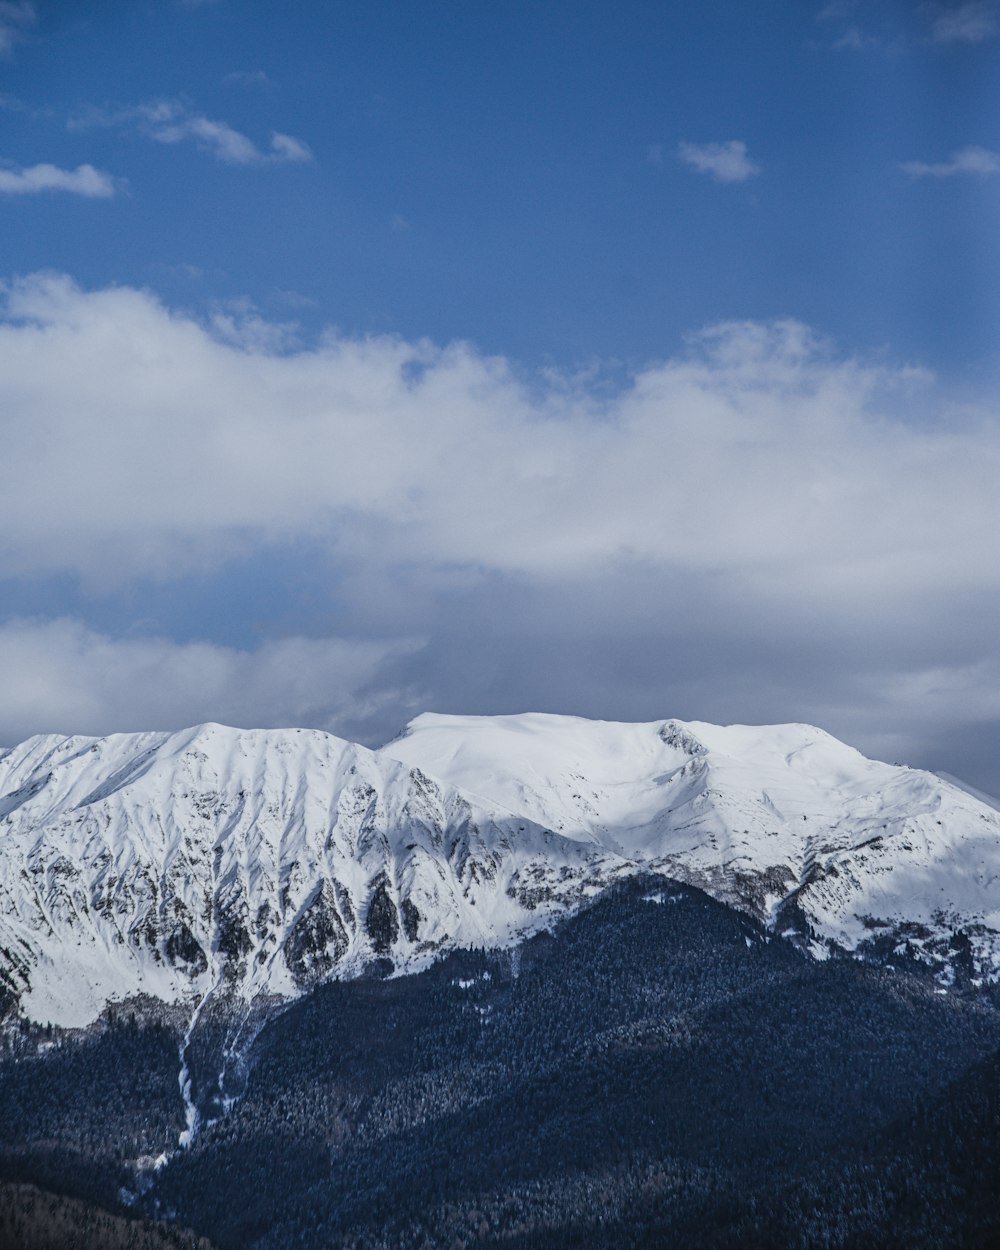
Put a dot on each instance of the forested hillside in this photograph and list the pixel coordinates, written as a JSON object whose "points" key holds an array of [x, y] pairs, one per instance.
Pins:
{"points": [[658, 1070], [31, 1219]]}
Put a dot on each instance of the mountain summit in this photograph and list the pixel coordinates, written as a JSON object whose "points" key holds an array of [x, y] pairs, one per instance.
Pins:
{"points": [[257, 862], [784, 821]]}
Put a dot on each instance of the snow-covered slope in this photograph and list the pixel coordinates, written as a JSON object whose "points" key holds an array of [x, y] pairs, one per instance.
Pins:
{"points": [[167, 864], [783, 820], [258, 862]]}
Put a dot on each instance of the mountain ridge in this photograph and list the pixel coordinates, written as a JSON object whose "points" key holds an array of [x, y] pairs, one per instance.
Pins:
{"points": [[248, 862]]}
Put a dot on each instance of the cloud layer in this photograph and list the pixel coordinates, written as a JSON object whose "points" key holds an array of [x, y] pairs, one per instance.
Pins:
{"points": [[209, 435], [60, 673], [756, 528]]}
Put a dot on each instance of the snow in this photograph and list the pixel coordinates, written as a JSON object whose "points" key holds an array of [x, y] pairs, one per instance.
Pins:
{"points": [[981, 795], [464, 984], [790, 805], [114, 849]]}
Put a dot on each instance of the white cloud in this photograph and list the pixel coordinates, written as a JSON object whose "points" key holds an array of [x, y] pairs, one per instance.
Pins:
{"points": [[971, 22], [725, 162], [85, 180], [137, 438], [175, 121], [285, 148], [970, 160], [61, 676], [15, 18]]}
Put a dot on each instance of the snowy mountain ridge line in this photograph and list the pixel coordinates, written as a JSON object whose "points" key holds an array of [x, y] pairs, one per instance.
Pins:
{"points": [[247, 862], [784, 820], [252, 862]]}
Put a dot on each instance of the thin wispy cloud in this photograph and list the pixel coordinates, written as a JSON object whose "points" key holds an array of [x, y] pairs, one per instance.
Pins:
{"points": [[857, 40], [836, 10], [971, 160], [14, 104], [85, 180], [176, 121], [16, 16], [247, 78], [725, 162], [287, 148], [968, 21], [295, 299], [853, 37], [972, 22]]}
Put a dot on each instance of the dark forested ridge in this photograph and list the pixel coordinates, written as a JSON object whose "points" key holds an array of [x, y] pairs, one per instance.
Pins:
{"points": [[658, 1071], [31, 1219], [76, 1113]]}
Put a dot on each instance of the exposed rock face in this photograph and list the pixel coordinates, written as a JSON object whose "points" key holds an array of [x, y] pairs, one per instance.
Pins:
{"points": [[183, 951], [317, 941], [382, 921], [411, 919]]}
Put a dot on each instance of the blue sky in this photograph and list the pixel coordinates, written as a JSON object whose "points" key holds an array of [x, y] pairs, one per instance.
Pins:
{"points": [[627, 360], [509, 174]]}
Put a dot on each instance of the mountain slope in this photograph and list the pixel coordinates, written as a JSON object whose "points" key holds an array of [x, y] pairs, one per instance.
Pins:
{"points": [[251, 861], [32, 1219], [633, 1080], [658, 1070], [783, 820]]}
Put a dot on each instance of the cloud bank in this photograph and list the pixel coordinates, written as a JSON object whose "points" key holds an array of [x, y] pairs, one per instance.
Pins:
{"points": [[756, 528], [206, 436], [60, 673]]}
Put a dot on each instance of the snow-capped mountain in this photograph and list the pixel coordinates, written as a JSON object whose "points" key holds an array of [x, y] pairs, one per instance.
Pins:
{"points": [[259, 862], [782, 820], [255, 861]]}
